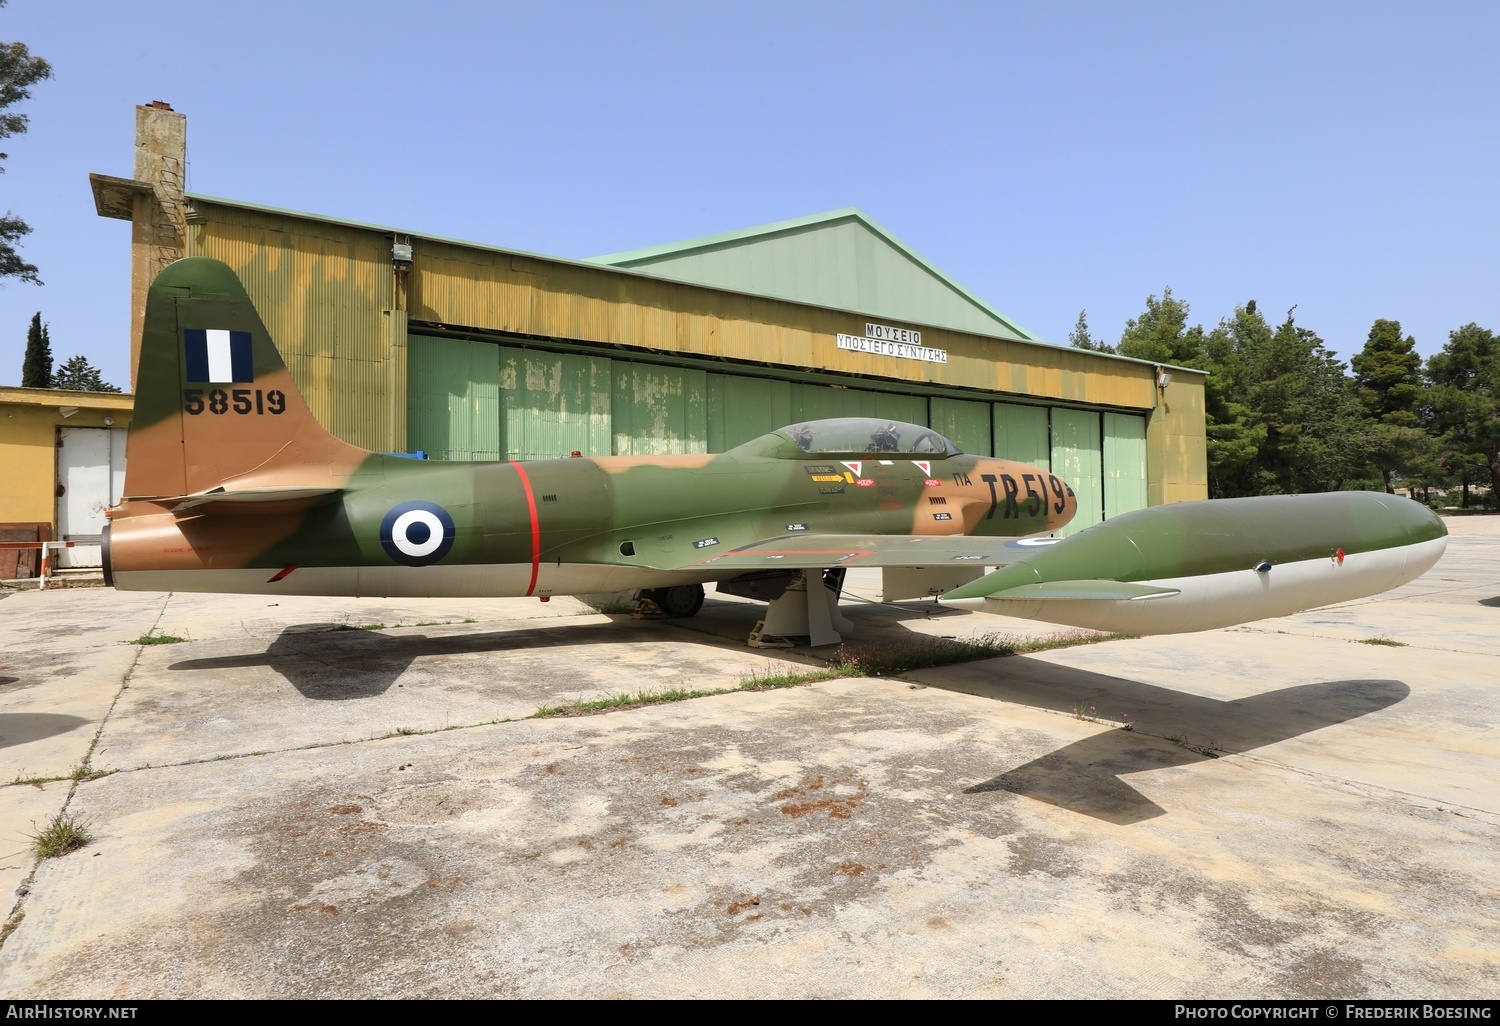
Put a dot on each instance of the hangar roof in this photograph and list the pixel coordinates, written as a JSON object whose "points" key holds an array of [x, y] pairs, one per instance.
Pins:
{"points": [[842, 259]]}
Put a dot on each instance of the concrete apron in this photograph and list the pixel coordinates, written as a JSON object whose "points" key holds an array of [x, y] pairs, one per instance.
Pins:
{"points": [[1293, 814]]}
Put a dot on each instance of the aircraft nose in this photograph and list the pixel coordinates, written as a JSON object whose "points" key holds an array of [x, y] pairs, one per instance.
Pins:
{"points": [[1057, 519]]}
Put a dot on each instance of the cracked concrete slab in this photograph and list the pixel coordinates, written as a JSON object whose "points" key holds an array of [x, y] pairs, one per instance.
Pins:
{"points": [[309, 684]]}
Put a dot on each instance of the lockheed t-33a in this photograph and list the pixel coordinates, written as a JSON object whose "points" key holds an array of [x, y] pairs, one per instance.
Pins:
{"points": [[233, 486]]}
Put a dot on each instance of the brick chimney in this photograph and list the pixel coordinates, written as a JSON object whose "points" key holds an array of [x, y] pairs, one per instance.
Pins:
{"points": [[152, 202]]}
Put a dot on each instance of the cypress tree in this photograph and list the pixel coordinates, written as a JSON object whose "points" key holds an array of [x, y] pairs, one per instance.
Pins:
{"points": [[36, 371]]}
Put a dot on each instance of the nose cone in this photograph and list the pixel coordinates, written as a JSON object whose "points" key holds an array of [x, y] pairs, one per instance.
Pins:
{"points": [[1432, 524], [1026, 499], [1056, 520]]}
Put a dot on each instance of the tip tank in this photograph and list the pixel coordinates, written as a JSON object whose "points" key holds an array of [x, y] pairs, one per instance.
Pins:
{"points": [[1195, 566]]}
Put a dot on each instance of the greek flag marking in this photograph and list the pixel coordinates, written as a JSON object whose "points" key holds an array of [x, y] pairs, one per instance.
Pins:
{"points": [[217, 356]]}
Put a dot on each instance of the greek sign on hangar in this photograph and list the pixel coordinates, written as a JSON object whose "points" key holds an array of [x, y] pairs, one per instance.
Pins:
{"points": [[884, 340]]}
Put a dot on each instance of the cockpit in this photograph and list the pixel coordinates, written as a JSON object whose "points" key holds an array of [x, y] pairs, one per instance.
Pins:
{"points": [[855, 436]]}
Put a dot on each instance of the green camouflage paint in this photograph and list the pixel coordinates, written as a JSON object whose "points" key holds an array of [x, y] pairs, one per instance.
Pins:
{"points": [[228, 470]]}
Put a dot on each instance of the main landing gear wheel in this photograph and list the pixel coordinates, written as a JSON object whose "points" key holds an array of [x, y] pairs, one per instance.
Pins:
{"points": [[680, 602]]}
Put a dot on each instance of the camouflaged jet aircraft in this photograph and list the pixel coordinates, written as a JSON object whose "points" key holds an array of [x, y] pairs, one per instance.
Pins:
{"points": [[233, 486]]}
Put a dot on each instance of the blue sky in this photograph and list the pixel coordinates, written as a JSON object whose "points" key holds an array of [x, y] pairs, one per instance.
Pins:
{"points": [[1051, 157]]}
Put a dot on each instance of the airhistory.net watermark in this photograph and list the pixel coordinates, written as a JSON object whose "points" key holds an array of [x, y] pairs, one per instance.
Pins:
{"points": [[56, 1010]]}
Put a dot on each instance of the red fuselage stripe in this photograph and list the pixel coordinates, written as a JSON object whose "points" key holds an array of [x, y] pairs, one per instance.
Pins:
{"points": [[536, 527]]}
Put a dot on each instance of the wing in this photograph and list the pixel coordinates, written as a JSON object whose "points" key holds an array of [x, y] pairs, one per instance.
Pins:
{"points": [[818, 551]]}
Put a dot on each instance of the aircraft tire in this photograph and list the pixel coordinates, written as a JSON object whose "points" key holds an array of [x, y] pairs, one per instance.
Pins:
{"points": [[680, 602]]}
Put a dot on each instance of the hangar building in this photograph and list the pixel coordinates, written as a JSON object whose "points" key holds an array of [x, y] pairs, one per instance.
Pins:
{"points": [[407, 342]]}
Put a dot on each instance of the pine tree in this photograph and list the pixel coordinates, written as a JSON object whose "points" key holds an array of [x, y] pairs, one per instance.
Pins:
{"points": [[1465, 406], [1387, 380], [1386, 374], [1235, 434], [80, 376], [36, 371], [1079, 337], [19, 71], [1161, 333], [1317, 431]]}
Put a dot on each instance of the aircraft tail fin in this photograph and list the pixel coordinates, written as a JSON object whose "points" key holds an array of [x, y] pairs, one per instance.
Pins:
{"points": [[215, 404]]}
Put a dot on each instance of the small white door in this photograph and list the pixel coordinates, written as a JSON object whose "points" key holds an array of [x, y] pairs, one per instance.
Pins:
{"points": [[91, 473]]}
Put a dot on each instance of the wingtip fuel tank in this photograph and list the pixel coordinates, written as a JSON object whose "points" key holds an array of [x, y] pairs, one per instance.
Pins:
{"points": [[1195, 566]]}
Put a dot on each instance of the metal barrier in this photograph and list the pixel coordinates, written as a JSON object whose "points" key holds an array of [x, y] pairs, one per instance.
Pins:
{"points": [[46, 548]]}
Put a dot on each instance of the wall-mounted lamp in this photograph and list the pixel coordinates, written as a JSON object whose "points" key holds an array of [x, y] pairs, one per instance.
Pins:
{"points": [[109, 422], [1163, 380], [401, 256]]}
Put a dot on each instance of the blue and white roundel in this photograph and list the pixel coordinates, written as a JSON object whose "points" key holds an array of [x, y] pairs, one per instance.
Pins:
{"points": [[417, 533]]}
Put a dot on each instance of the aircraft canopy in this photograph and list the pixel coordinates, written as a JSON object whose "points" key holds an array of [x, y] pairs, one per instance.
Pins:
{"points": [[862, 436]]}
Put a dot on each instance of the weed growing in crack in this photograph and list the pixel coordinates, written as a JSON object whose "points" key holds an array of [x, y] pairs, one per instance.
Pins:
{"points": [[153, 638], [62, 833]]}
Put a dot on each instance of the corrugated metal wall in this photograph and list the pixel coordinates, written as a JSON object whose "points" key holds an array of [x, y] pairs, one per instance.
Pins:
{"points": [[1124, 463], [454, 399], [1078, 458], [741, 408], [330, 299], [1177, 443], [966, 424], [1022, 433], [454, 285], [659, 409], [818, 402], [323, 291], [553, 404], [471, 399]]}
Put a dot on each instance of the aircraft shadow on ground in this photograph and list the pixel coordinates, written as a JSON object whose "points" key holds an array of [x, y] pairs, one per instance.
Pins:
{"points": [[1490, 601], [1176, 729], [21, 728], [330, 662], [733, 619]]}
